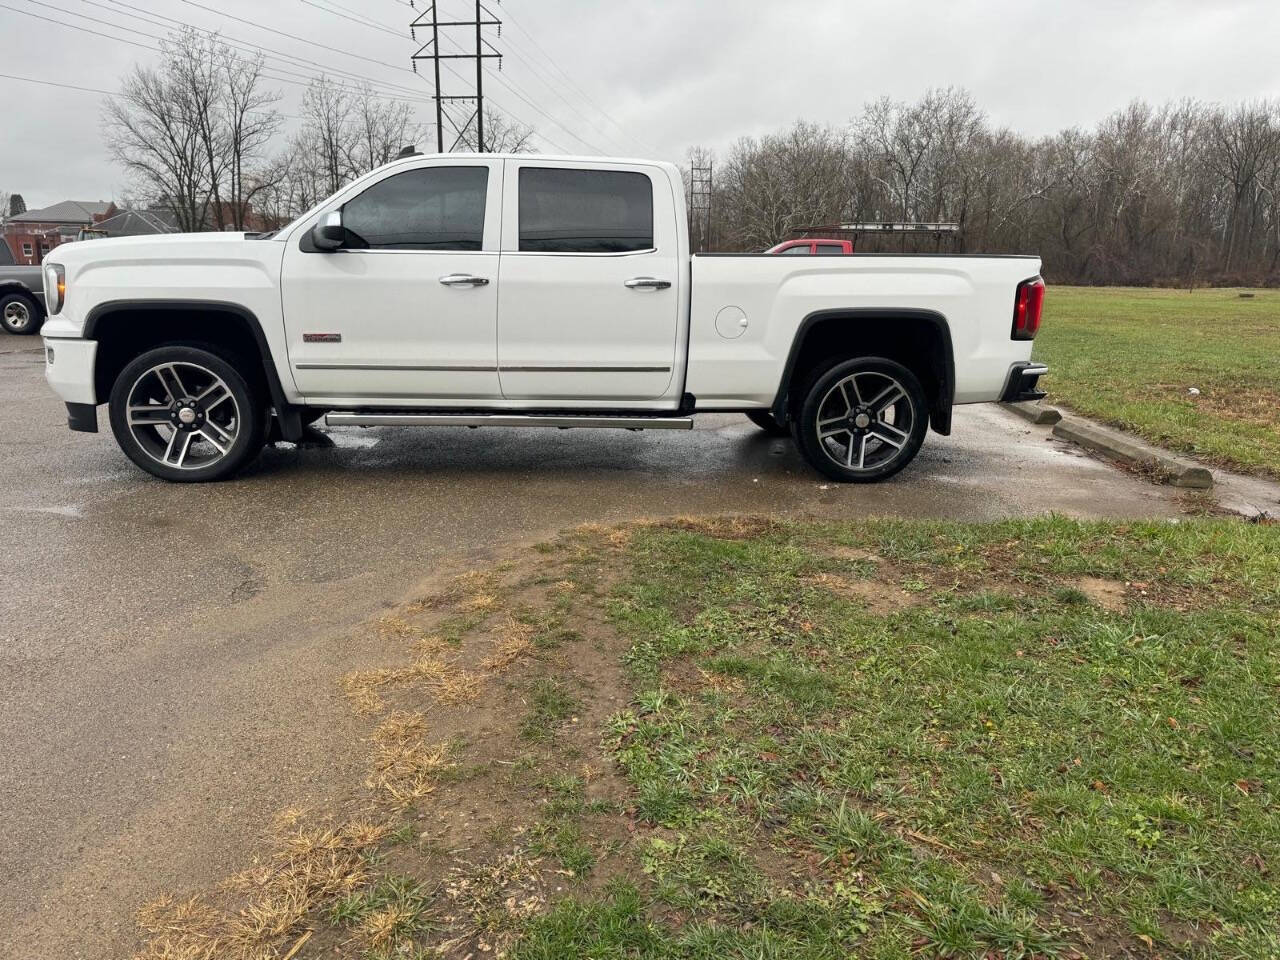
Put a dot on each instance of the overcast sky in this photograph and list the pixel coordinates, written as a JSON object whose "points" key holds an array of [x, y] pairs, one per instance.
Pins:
{"points": [[669, 73]]}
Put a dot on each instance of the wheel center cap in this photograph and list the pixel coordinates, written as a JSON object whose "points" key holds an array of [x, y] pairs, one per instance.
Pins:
{"points": [[862, 421], [187, 415]]}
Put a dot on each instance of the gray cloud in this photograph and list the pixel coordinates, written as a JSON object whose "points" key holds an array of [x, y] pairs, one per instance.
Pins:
{"points": [[673, 72]]}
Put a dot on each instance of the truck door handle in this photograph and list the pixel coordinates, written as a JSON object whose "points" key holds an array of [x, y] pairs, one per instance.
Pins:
{"points": [[646, 283], [463, 280]]}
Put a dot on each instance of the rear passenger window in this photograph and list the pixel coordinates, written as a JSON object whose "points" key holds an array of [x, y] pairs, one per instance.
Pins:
{"points": [[830, 250], [434, 208], [585, 211]]}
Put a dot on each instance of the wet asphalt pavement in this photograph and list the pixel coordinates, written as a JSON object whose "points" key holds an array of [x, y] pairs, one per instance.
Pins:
{"points": [[170, 653]]}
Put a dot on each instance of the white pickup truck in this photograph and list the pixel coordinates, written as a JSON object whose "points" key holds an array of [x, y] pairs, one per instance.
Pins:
{"points": [[490, 290]]}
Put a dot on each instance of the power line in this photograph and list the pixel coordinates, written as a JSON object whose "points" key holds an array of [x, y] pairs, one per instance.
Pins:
{"points": [[371, 24], [537, 109], [322, 46], [314, 43], [116, 95], [516, 91], [51, 83], [144, 46], [252, 46], [582, 93]]}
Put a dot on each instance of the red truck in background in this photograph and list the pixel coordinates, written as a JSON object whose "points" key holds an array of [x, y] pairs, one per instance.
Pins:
{"points": [[812, 245]]}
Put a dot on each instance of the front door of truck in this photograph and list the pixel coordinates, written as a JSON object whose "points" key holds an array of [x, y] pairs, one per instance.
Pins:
{"points": [[405, 311], [589, 292]]}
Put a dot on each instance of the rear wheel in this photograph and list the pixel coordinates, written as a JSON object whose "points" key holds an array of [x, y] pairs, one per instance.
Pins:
{"points": [[862, 420], [20, 313], [765, 421], [184, 413]]}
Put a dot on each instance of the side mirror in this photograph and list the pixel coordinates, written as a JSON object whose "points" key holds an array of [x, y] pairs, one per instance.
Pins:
{"points": [[329, 233]]}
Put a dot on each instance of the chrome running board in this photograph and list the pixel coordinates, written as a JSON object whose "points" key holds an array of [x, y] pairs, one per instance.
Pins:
{"points": [[563, 421]]}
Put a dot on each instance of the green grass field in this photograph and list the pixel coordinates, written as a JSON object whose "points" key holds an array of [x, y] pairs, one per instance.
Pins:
{"points": [[1128, 357], [1025, 740], [740, 738]]}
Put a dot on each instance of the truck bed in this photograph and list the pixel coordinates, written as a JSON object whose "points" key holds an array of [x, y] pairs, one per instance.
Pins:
{"points": [[732, 366]]}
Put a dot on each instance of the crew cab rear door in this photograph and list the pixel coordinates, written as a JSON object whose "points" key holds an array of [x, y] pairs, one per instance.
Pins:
{"points": [[589, 291], [406, 310]]}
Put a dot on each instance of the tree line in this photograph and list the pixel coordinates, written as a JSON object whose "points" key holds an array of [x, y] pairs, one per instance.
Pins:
{"points": [[200, 136], [1182, 193]]}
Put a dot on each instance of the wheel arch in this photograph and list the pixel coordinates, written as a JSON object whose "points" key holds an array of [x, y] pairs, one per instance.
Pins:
{"points": [[921, 341], [125, 328], [17, 286]]}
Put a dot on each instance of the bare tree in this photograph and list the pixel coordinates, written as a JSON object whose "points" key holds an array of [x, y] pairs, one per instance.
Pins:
{"points": [[251, 124], [153, 132], [501, 135], [1180, 193], [193, 131]]}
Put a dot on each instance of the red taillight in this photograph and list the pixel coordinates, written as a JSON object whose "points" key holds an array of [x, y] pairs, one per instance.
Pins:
{"points": [[1027, 307]]}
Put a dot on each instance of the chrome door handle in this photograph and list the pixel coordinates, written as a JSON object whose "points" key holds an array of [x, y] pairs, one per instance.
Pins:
{"points": [[646, 283], [463, 280]]}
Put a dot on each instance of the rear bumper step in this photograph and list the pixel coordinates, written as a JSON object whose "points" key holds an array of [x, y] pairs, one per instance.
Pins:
{"points": [[1023, 384], [563, 421]]}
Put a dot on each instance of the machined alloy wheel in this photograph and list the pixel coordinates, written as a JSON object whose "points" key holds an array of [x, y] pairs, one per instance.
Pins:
{"points": [[184, 413], [18, 315], [863, 420]]}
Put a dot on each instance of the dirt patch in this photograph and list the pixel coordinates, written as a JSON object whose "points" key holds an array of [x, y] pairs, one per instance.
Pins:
{"points": [[879, 597], [1108, 594], [854, 555], [722, 527], [486, 791]]}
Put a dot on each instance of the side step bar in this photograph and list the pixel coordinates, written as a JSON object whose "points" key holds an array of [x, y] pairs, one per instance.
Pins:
{"points": [[563, 421]]}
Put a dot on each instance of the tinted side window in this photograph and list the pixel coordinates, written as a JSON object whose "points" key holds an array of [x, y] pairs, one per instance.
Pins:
{"points": [[830, 250], [435, 208], [585, 211]]}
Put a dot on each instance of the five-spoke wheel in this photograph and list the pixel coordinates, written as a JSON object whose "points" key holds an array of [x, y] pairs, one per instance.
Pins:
{"points": [[862, 419], [184, 413]]}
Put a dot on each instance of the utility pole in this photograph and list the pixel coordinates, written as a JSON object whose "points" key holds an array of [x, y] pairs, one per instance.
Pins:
{"points": [[484, 50], [479, 83], [701, 178]]}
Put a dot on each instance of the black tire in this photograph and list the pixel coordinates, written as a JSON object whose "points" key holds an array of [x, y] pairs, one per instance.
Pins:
{"points": [[237, 419], [862, 444], [765, 421], [20, 314]]}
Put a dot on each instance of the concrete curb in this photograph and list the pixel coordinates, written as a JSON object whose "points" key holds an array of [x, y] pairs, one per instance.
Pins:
{"points": [[1035, 412], [1118, 446]]}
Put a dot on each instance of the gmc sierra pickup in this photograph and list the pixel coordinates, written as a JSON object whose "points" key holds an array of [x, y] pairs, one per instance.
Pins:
{"points": [[489, 290]]}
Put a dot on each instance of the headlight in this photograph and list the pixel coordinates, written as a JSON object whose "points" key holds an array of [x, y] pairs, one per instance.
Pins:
{"points": [[55, 287]]}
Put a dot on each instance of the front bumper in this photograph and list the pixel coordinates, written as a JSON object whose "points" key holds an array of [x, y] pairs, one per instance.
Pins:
{"points": [[69, 367], [1023, 383]]}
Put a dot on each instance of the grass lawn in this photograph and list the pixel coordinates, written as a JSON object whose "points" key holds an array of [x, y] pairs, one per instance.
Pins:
{"points": [[1128, 357], [734, 738]]}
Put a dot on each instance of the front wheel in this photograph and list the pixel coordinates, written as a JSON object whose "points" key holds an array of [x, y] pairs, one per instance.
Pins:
{"points": [[185, 414], [862, 420], [19, 313]]}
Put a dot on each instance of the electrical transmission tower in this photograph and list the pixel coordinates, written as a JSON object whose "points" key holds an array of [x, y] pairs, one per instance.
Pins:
{"points": [[701, 176], [484, 50]]}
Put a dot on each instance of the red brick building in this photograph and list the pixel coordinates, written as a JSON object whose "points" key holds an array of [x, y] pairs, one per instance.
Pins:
{"points": [[33, 234]]}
